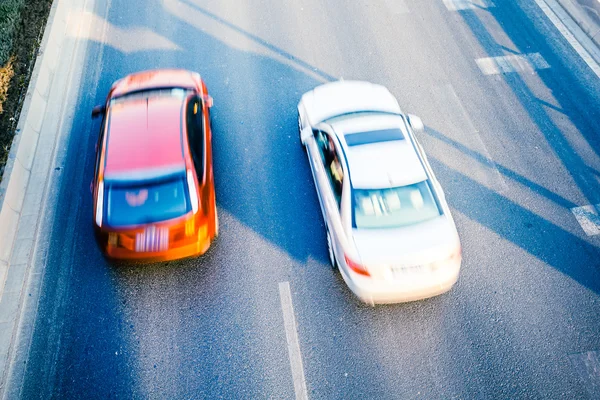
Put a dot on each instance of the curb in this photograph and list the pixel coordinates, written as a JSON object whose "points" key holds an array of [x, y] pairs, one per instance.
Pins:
{"points": [[587, 24], [572, 30], [27, 173]]}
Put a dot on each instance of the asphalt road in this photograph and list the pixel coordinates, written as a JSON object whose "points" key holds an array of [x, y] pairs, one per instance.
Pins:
{"points": [[514, 152]]}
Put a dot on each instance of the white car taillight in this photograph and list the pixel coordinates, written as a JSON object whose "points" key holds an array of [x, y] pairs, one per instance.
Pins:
{"points": [[356, 267], [100, 204], [193, 192]]}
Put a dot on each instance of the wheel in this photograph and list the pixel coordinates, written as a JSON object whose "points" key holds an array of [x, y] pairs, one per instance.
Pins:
{"points": [[332, 260]]}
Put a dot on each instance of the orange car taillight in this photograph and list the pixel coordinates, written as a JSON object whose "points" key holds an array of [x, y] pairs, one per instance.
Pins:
{"points": [[113, 239], [190, 227], [356, 267], [186, 229]]}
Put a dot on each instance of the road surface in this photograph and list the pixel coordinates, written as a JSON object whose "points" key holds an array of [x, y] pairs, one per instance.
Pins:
{"points": [[515, 142]]}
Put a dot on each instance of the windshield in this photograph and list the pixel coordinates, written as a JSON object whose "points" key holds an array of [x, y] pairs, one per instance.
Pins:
{"points": [[150, 93], [134, 204], [354, 114], [394, 207]]}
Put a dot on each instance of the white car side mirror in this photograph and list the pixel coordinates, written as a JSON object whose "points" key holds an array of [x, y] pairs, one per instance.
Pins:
{"points": [[415, 122], [305, 134]]}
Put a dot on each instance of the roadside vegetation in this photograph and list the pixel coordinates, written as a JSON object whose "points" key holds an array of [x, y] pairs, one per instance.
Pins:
{"points": [[22, 24]]}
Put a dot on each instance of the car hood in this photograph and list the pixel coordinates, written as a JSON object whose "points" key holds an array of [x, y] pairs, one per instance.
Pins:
{"points": [[416, 244]]}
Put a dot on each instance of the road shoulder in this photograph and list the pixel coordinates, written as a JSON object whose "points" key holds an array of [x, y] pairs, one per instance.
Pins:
{"points": [[26, 188]]}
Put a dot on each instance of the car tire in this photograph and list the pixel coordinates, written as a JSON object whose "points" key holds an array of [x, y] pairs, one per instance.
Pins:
{"points": [[330, 252]]}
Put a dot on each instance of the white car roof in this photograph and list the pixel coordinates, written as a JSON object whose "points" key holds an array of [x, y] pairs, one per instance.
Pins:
{"points": [[341, 97], [383, 164]]}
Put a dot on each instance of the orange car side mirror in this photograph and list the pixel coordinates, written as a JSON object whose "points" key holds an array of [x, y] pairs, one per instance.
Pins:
{"points": [[209, 101]]}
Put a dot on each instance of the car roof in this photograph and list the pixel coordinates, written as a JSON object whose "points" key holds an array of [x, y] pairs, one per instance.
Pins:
{"points": [[382, 164], [145, 136]]}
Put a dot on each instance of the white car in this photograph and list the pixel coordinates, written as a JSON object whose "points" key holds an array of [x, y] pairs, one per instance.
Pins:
{"points": [[389, 228]]}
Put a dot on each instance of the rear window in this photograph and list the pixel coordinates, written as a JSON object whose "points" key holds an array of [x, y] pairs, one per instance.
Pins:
{"points": [[134, 204], [382, 135], [147, 93], [394, 207]]}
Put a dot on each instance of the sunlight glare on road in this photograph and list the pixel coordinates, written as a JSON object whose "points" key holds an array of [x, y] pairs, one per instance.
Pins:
{"points": [[236, 37], [92, 27]]}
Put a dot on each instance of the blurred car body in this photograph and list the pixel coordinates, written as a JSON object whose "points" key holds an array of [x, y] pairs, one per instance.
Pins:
{"points": [[153, 186], [389, 227]]}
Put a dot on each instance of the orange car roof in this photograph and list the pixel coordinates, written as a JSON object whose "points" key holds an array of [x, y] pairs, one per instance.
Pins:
{"points": [[145, 137], [155, 79]]}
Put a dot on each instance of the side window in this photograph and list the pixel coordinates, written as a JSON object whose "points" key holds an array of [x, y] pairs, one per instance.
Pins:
{"points": [[195, 133], [332, 163]]}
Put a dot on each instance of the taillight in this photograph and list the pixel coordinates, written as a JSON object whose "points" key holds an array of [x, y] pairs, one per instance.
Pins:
{"points": [[113, 239], [190, 227], [356, 267], [202, 231]]}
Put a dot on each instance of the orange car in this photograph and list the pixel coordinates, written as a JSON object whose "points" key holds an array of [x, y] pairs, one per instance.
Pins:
{"points": [[153, 188]]}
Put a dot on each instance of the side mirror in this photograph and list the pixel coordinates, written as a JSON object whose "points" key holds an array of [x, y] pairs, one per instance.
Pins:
{"points": [[415, 122], [208, 101], [98, 110], [305, 133]]}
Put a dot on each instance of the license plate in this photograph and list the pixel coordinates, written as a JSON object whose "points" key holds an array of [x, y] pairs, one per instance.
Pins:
{"points": [[152, 240], [406, 271]]}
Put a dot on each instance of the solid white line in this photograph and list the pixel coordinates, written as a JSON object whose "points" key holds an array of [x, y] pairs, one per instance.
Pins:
{"points": [[456, 5], [573, 34], [291, 333], [588, 218], [512, 63]]}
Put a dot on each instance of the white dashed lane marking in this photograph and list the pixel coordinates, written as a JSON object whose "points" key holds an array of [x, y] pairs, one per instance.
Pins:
{"points": [[512, 63], [456, 5], [291, 333], [589, 218]]}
